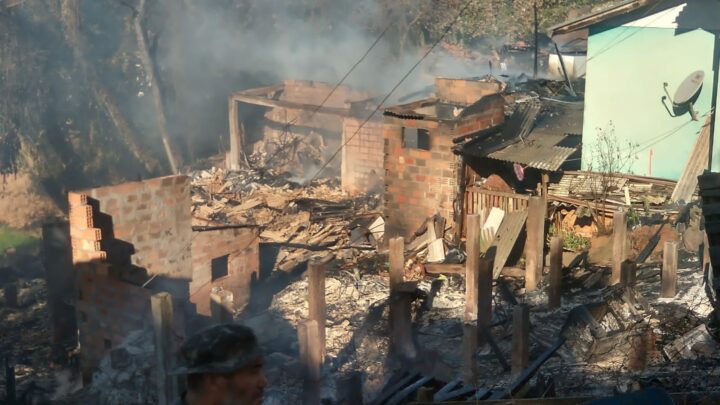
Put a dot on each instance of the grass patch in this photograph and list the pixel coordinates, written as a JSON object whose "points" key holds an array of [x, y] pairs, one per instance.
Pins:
{"points": [[13, 238]]}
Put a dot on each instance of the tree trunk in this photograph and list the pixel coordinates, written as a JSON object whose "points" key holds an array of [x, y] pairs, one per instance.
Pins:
{"points": [[149, 67], [71, 28]]}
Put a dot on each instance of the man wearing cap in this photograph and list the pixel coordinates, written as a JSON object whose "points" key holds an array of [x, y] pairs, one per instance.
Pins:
{"points": [[223, 365]]}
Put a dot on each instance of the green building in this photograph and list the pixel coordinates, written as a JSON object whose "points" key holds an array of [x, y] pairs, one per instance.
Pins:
{"points": [[633, 48]]}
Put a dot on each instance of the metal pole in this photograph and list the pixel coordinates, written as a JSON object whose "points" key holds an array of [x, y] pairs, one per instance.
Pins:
{"points": [[535, 16], [713, 102], [562, 65]]}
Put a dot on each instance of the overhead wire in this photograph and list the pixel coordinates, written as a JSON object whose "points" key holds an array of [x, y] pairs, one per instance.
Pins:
{"points": [[614, 42], [402, 80], [289, 124]]}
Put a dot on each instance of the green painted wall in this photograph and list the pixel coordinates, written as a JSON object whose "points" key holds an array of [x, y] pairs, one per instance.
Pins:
{"points": [[624, 85]]}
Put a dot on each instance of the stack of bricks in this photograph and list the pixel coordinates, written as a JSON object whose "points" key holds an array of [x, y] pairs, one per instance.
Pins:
{"points": [[491, 113], [362, 156], [241, 245]]}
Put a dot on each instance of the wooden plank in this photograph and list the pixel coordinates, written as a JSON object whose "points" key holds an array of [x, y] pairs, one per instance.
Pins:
{"points": [[267, 102], [555, 290], [696, 164], [669, 270], [490, 193], [535, 242], [444, 268], [505, 238], [619, 241]]}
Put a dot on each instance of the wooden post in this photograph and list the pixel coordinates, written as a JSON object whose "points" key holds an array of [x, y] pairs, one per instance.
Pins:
{"points": [[235, 156], [397, 261], [401, 338], [629, 273], [162, 313], [484, 297], [669, 270], [619, 241], [11, 294], [706, 254], [520, 338], [469, 348], [221, 306], [472, 267], [311, 357], [349, 389], [535, 242], [555, 290], [316, 297], [10, 397]]}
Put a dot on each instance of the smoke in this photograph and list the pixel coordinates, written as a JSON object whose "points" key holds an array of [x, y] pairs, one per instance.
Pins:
{"points": [[208, 49]]}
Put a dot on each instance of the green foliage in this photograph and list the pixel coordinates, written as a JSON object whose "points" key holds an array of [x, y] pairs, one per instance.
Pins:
{"points": [[571, 240], [12, 238]]}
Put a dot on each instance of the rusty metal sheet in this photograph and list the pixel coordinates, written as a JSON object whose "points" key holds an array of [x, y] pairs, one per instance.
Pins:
{"points": [[539, 150], [505, 238]]}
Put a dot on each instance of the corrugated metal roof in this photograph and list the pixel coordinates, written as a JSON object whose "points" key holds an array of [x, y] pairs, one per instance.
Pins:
{"points": [[542, 141], [539, 150]]}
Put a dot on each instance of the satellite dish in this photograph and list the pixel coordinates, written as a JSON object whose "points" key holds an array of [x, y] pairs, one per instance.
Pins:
{"points": [[686, 95]]}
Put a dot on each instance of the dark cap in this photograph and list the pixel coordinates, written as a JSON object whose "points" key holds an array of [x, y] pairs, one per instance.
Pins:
{"points": [[219, 349]]}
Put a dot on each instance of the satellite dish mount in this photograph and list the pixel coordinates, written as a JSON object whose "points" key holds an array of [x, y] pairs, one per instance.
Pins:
{"points": [[685, 96]]}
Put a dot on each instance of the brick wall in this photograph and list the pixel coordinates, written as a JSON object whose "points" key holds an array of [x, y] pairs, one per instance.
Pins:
{"points": [[362, 156], [418, 183], [132, 230], [242, 247], [107, 311], [123, 235], [421, 183], [152, 216], [464, 91]]}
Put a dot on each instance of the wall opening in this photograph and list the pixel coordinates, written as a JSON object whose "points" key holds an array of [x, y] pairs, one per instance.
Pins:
{"points": [[219, 267], [416, 138]]}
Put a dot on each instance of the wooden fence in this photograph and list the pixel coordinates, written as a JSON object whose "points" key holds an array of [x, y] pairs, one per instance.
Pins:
{"points": [[477, 199]]}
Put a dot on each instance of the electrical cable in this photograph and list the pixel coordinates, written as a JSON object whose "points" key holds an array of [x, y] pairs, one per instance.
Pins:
{"points": [[288, 124], [412, 69]]}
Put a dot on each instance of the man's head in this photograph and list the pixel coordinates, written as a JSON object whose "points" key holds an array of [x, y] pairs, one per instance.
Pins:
{"points": [[224, 365]]}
